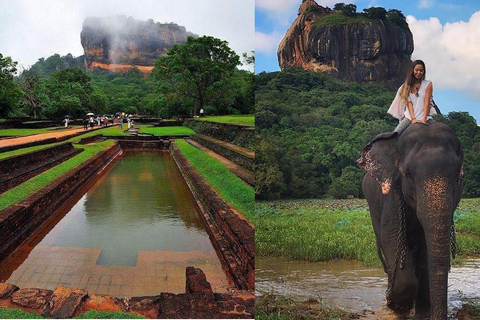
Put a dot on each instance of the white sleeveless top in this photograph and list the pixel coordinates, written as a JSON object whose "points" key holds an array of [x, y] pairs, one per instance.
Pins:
{"points": [[418, 102]]}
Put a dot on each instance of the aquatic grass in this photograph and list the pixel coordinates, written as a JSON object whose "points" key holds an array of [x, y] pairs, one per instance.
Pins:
{"points": [[322, 230], [166, 131], [233, 190], [25, 189], [270, 307], [247, 119]]}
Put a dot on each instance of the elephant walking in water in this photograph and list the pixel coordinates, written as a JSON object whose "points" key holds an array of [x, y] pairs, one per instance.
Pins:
{"points": [[412, 186]]}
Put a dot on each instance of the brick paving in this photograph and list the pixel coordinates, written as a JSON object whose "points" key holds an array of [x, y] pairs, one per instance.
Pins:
{"points": [[155, 271]]}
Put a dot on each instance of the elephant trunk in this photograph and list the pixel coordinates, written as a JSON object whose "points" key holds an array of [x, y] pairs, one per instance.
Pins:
{"points": [[436, 215]]}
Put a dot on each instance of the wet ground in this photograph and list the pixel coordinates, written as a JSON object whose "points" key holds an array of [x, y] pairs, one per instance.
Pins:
{"points": [[348, 284]]}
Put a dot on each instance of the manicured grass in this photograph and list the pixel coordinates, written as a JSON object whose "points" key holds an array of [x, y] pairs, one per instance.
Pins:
{"points": [[13, 313], [25, 189], [322, 230], [248, 119], [18, 152], [228, 185], [166, 131], [92, 314], [24, 132], [113, 131]]}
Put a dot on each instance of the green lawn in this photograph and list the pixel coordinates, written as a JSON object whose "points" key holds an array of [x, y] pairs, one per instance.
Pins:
{"points": [[323, 230], [248, 119], [21, 151], [25, 189], [25, 132], [14, 313], [166, 131], [228, 185]]}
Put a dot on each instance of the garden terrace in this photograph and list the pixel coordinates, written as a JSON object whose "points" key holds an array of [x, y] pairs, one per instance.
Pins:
{"points": [[17, 169]]}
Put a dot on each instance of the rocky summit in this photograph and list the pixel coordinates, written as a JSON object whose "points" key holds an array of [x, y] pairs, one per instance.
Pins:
{"points": [[354, 48], [119, 42]]}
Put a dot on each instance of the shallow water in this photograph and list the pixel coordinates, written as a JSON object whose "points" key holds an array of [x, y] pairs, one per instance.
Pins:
{"points": [[348, 284], [132, 233]]}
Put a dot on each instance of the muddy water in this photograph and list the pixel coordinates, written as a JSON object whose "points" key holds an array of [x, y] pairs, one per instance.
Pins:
{"points": [[349, 285], [132, 233]]}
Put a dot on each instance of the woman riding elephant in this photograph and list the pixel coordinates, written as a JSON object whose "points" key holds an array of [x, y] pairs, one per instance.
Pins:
{"points": [[412, 104]]}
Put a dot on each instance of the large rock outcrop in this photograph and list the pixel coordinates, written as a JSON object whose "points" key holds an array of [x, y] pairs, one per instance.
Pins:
{"points": [[120, 42], [367, 50]]}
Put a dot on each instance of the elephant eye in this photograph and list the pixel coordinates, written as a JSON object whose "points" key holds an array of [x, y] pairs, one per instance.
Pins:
{"points": [[408, 173]]}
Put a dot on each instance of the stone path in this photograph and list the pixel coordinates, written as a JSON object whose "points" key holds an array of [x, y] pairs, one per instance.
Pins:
{"points": [[155, 271], [38, 137]]}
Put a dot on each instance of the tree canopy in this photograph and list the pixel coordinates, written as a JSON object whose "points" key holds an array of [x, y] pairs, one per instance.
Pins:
{"points": [[312, 128], [60, 85], [10, 91], [199, 72]]}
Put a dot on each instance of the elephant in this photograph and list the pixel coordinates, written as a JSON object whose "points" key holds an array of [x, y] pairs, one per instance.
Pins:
{"points": [[413, 184]]}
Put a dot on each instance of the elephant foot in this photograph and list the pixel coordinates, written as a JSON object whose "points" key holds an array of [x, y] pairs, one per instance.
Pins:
{"points": [[422, 314]]}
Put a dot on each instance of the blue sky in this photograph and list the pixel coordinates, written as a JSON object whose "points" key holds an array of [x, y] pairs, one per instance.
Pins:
{"points": [[446, 36]]}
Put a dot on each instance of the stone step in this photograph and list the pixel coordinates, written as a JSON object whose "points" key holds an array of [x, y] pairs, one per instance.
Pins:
{"points": [[239, 155], [240, 172], [18, 169]]}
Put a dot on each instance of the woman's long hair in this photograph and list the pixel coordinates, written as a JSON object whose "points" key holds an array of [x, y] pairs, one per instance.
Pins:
{"points": [[410, 80]]}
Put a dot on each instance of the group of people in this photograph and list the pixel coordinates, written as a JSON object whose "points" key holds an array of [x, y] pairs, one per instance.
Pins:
{"points": [[413, 102], [99, 121]]}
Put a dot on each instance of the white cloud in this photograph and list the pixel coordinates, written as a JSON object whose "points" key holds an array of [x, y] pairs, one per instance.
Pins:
{"points": [[267, 43], [30, 30], [451, 52], [424, 4]]}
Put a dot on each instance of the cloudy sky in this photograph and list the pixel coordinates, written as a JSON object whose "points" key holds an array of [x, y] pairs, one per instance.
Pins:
{"points": [[32, 29], [446, 35]]}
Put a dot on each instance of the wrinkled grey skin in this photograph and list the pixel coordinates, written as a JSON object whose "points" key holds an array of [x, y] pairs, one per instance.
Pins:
{"points": [[421, 169]]}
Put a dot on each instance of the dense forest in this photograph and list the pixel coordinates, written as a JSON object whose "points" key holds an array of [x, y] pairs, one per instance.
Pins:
{"points": [[311, 128], [60, 85]]}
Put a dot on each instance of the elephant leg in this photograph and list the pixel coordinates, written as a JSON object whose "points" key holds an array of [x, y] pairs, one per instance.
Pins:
{"points": [[422, 302], [403, 283]]}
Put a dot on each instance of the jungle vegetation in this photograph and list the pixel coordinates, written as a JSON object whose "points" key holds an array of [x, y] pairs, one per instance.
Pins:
{"points": [[60, 85], [312, 127]]}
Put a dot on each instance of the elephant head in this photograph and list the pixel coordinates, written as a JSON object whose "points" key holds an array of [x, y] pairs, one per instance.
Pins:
{"points": [[421, 172]]}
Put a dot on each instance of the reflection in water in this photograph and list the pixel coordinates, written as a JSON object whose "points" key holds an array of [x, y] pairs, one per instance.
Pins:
{"points": [[132, 233], [348, 284], [124, 212]]}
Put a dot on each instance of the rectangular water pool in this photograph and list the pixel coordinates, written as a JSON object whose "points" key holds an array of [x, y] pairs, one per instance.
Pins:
{"points": [[132, 233]]}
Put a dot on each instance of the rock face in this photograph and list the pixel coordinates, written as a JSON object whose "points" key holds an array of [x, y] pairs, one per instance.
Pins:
{"points": [[120, 42], [368, 50]]}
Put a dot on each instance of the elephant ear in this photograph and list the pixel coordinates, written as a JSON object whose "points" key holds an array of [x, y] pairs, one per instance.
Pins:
{"points": [[379, 159]]}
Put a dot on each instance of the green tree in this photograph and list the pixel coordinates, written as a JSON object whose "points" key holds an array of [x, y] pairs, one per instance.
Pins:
{"points": [[397, 18], [70, 92], [376, 13], [35, 98], [195, 70], [349, 183], [10, 92]]}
